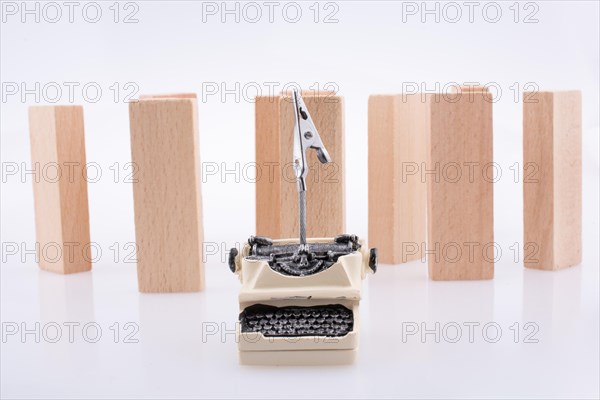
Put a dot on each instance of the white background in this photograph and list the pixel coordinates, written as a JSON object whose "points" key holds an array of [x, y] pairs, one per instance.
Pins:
{"points": [[373, 48]]}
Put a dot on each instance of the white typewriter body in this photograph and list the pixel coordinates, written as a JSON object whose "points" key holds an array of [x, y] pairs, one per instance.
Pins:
{"points": [[339, 284]]}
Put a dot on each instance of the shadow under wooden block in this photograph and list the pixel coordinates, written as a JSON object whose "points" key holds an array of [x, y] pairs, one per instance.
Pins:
{"points": [[398, 129], [60, 191], [167, 196], [552, 179], [460, 204], [276, 190]]}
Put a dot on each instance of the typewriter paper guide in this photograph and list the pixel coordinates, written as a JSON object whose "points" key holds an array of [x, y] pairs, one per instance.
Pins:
{"points": [[340, 281]]}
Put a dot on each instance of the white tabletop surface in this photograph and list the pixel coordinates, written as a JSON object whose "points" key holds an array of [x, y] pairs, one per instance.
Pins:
{"points": [[556, 355]]}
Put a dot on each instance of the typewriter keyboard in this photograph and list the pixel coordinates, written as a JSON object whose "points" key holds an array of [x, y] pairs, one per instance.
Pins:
{"points": [[326, 320]]}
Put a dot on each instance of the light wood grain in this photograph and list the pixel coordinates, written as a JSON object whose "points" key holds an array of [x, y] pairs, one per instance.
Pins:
{"points": [[61, 201], [552, 179], [169, 96], [276, 190], [460, 211], [167, 196], [398, 128]]}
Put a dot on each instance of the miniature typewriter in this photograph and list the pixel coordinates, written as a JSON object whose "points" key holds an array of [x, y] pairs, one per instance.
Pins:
{"points": [[299, 297]]}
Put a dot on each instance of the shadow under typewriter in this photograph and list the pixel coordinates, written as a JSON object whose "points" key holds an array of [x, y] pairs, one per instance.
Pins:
{"points": [[300, 307]]}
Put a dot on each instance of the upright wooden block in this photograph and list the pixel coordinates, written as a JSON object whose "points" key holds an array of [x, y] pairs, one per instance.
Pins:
{"points": [[167, 197], [552, 179], [460, 187], [398, 128], [276, 190], [60, 188]]}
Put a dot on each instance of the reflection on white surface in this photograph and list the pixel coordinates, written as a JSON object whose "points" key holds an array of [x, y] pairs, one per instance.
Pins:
{"points": [[553, 298], [66, 305], [65, 297]]}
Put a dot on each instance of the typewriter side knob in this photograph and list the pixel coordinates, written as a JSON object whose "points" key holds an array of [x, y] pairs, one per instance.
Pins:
{"points": [[373, 259], [232, 255]]}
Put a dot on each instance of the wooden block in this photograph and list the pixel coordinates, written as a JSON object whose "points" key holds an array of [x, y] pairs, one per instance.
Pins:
{"points": [[398, 128], [167, 197], [169, 96], [276, 190], [552, 179], [460, 211], [60, 188]]}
